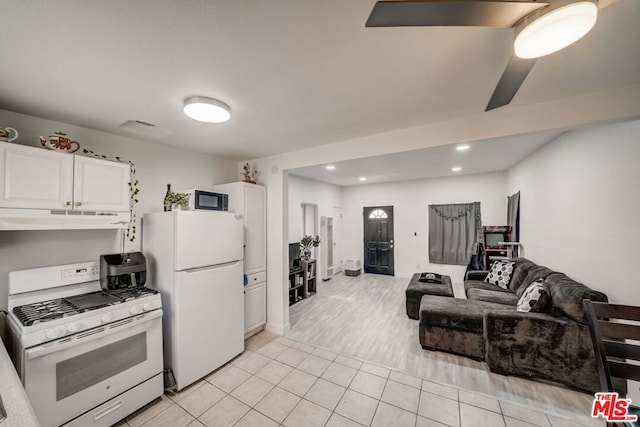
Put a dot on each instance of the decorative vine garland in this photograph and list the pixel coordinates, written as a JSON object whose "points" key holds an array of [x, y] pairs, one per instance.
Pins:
{"points": [[464, 213], [133, 189]]}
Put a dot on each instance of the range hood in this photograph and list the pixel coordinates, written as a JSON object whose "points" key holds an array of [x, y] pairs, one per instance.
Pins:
{"points": [[61, 219]]}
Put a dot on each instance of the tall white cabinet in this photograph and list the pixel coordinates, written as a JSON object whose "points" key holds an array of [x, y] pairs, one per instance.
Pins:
{"points": [[250, 200]]}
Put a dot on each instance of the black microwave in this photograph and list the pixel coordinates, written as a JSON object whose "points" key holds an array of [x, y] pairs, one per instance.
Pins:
{"points": [[203, 200]]}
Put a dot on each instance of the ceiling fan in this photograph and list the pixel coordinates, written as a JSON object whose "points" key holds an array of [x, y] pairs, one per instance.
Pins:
{"points": [[540, 28]]}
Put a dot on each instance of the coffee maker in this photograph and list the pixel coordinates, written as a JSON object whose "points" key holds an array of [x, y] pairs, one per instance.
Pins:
{"points": [[123, 270]]}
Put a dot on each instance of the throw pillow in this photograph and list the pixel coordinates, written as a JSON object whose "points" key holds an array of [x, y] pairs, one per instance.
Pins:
{"points": [[500, 273], [535, 298]]}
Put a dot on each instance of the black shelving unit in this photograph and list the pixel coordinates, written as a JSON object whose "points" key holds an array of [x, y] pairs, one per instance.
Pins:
{"points": [[310, 276], [296, 286]]}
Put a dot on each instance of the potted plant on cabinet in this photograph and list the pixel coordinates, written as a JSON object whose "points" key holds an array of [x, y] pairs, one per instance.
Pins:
{"points": [[174, 201], [306, 243]]}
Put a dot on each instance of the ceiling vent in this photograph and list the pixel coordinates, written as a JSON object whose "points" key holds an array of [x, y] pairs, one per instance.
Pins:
{"points": [[143, 128]]}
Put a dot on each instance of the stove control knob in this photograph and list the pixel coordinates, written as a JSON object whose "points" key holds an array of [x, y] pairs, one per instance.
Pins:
{"points": [[106, 318], [53, 334], [148, 306], [73, 328], [136, 309]]}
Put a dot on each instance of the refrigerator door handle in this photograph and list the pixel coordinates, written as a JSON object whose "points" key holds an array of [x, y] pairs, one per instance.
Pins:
{"points": [[211, 267]]}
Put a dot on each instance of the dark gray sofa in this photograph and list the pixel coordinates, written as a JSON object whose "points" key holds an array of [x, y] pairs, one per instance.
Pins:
{"points": [[553, 345]]}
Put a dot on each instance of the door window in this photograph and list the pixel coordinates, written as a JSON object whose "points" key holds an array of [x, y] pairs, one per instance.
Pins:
{"points": [[378, 213]]}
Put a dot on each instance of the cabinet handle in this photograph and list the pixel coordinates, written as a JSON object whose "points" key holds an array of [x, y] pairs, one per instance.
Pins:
{"points": [[67, 203], [78, 203]]}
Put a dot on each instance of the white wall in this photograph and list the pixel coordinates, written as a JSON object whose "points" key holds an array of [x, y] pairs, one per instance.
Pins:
{"points": [[326, 196], [580, 207], [301, 190], [156, 166], [410, 200]]}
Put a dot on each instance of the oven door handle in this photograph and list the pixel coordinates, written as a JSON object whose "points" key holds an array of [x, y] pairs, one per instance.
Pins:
{"points": [[52, 347]]}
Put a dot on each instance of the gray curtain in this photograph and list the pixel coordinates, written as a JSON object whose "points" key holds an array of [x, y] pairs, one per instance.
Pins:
{"points": [[513, 220], [453, 229], [513, 216]]}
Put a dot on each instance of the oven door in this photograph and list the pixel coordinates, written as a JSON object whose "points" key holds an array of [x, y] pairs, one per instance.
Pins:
{"points": [[70, 376]]}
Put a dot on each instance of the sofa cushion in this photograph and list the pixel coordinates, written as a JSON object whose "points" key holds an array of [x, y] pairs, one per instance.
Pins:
{"points": [[481, 284], [535, 298], [475, 274], [567, 295], [535, 272], [500, 274], [492, 295], [456, 313], [520, 271]]}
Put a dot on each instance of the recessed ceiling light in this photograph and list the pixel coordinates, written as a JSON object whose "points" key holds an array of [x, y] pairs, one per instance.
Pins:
{"points": [[456, 169], [363, 179], [330, 167], [550, 31], [206, 110], [463, 147]]}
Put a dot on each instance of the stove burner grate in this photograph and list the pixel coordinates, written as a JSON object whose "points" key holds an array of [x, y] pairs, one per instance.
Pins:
{"points": [[32, 314], [131, 293], [35, 313]]}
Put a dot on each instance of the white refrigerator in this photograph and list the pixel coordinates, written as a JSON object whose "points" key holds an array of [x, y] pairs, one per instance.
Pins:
{"points": [[195, 260]]}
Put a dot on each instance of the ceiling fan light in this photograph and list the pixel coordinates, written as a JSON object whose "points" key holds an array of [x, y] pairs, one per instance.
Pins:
{"points": [[556, 29], [206, 110]]}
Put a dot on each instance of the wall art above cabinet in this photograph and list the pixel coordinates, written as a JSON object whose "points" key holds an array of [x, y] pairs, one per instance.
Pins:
{"points": [[42, 189]]}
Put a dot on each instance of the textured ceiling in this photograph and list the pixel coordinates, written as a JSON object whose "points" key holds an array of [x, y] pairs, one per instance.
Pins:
{"points": [[296, 73]]}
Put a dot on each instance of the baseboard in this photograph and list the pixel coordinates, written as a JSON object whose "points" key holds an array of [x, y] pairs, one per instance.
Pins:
{"points": [[254, 331], [278, 329]]}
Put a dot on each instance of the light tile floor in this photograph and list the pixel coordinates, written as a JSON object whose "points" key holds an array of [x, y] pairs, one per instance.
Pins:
{"points": [[278, 381]]}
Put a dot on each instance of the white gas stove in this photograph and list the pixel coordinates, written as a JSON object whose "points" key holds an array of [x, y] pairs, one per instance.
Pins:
{"points": [[85, 356]]}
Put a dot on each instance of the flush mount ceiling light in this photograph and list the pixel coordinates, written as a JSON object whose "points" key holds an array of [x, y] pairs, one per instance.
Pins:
{"points": [[363, 179], [541, 27], [463, 147], [456, 169], [551, 29], [206, 110], [330, 167]]}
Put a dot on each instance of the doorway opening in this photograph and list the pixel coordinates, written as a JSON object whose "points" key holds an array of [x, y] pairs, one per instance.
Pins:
{"points": [[309, 225]]}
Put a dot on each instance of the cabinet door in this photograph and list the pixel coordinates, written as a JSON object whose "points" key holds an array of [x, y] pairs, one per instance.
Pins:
{"points": [[101, 185], [255, 216], [255, 304], [32, 177]]}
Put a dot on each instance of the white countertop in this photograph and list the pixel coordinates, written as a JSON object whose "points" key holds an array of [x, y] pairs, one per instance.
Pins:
{"points": [[14, 398]]}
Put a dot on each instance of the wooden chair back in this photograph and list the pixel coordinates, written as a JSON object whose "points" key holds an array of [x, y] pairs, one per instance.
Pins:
{"points": [[613, 329]]}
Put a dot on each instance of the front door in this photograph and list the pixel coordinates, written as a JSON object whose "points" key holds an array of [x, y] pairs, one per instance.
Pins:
{"points": [[378, 240]]}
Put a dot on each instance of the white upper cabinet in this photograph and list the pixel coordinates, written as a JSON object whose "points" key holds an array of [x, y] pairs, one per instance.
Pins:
{"points": [[33, 177], [100, 185]]}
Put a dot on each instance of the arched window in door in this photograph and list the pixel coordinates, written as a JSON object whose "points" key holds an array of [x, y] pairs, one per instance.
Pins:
{"points": [[377, 214]]}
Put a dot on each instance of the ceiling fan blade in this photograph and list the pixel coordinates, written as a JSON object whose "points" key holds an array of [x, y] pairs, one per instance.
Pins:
{"points": [[471, 13], [513, 76]]}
